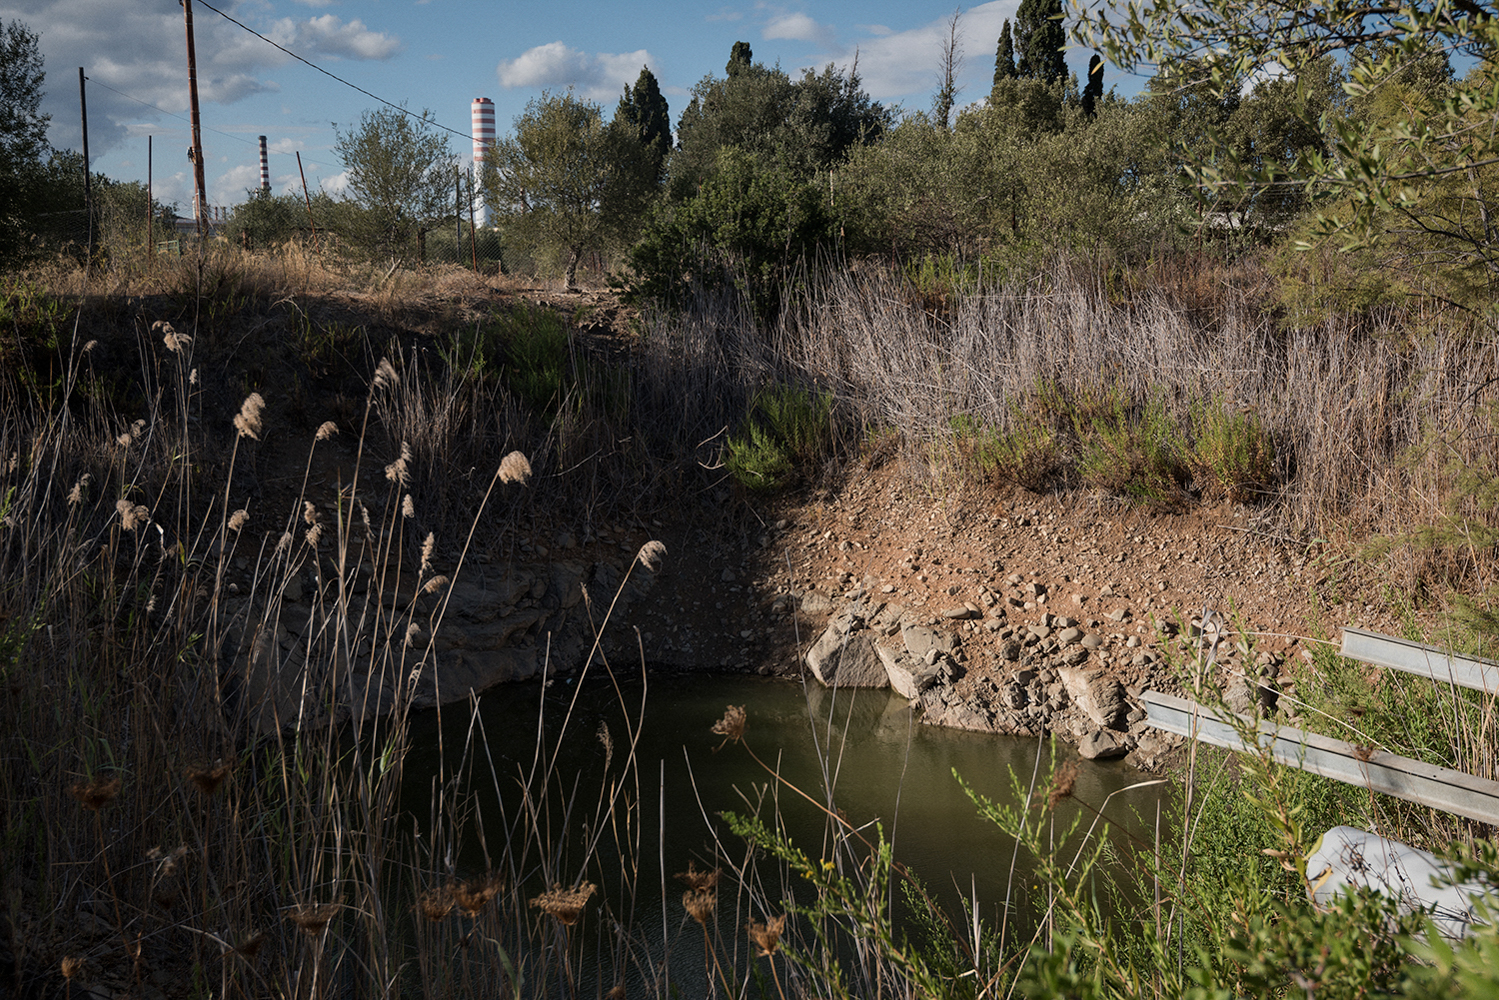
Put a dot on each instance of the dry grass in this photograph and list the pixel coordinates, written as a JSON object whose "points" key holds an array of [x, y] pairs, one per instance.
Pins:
{"points": [[284, 866], [1374, 419]]}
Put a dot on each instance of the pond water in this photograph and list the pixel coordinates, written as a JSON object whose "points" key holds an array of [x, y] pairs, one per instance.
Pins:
{"points": [[880, 763]]}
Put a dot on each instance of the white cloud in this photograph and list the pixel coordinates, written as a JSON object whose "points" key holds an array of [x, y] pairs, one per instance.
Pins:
{"points": [[176, 189], [137, 49], [336, 184], [229, 187], [598, 76], [906, 63], [330, 36], [797, 27], [283, 146]]}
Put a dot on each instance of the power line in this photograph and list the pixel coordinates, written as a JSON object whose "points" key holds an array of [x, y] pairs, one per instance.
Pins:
{"points": [[169, 114], [346, 83]]}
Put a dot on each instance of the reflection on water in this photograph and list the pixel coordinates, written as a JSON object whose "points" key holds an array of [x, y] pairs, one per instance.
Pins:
{"points": [[879, 763]]}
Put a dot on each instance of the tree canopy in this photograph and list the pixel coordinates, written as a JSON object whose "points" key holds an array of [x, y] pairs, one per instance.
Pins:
{"points": [[548, 182], [1004, 55], [805, 124], [23, 128], [1411, 168], [400, 170], [1039, 39]]}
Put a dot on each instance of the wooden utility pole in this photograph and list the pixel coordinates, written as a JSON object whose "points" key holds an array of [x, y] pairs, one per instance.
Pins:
{"points": [[307, 199], [195, 154], [473, 230], [150, 206], [88, 181]]}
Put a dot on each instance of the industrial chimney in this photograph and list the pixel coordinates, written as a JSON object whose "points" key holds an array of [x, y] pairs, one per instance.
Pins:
{"points": [[482, 113], [265, 168]]}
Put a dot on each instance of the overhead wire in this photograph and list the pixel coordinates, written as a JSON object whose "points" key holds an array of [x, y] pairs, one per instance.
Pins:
{"points": [[333, 76], [181, 118]]}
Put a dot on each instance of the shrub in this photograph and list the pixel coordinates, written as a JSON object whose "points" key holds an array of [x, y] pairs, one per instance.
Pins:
{"points": [[1028, 454], [1134, 451], [790, 431], [1232, 454]]}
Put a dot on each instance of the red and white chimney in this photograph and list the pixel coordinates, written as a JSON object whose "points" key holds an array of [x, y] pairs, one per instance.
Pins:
{"points": [[482, 114], [265, 168]]}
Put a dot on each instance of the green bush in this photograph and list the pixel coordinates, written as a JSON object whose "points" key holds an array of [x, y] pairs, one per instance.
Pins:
{"points": [[1131, 450], [1232, 453], [1028, 454], [790, 432]]}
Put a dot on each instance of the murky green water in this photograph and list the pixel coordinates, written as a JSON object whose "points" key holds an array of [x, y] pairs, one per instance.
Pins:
{"points": [[880, 764]]}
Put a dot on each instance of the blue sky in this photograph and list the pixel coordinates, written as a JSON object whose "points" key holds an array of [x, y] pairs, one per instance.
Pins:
{"points": [[437, 54]]}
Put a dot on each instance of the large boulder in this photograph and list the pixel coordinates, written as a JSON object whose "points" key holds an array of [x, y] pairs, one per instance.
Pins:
{"points": [[908, 675], [843, 659], [1100, 697]]}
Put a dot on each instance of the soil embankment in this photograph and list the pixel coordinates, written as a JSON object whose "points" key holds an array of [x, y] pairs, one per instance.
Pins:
{"points": [[1047, 612]]}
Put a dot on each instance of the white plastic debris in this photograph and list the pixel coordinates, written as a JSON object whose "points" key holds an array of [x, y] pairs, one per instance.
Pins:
{"points": [[1347, 857]]}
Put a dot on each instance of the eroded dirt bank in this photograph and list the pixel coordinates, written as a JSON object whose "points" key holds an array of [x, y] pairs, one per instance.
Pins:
{"points": [[1009, 612]]}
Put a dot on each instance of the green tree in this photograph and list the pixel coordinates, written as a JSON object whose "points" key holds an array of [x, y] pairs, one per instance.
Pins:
{"points": [[643, 109], [741, 58], [1040, 38], [805, 125], [1417, 179], [751, 221], [1093, 91], [550, 179], [400, 172], [264, 220], [1004, 56], [23, 131]]}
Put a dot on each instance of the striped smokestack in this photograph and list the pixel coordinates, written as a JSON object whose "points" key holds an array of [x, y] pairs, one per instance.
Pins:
{"points": [[482, 114], [265, 168]]}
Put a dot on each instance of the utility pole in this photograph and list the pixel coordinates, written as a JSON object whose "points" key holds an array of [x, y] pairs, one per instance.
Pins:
{"points": [[195, 154], [307, 199], [150, 206], [88, 181]]}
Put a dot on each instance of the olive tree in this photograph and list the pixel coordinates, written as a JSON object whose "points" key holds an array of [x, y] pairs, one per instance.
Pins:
{"points": [[400, 173], [548, 181], [1418, 178]]}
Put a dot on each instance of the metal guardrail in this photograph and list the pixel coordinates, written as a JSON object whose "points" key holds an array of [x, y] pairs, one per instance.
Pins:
{"points": [[1421, 660], [1413, 780]]}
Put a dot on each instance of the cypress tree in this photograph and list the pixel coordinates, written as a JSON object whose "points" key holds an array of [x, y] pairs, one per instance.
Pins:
{"points": [[1039, 39], [1094, 89], [1004, 58], [643, 108], [740, 59]]}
